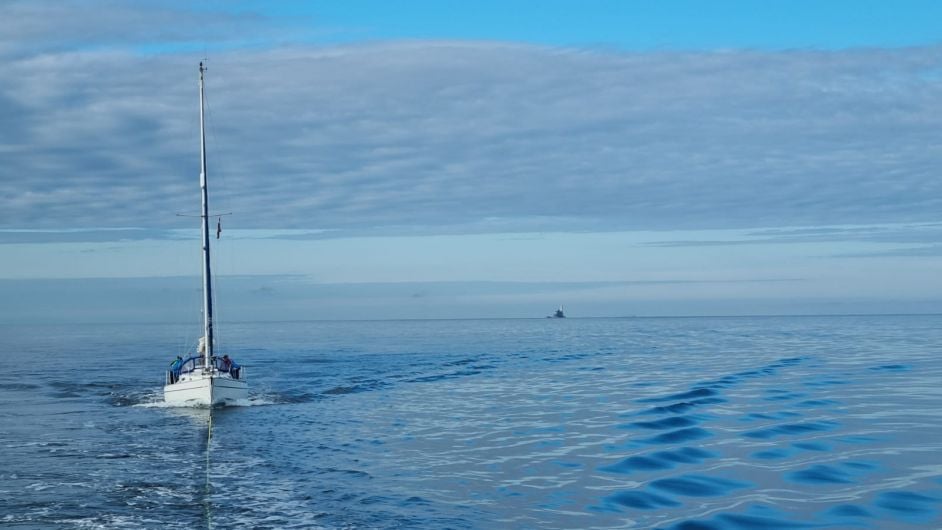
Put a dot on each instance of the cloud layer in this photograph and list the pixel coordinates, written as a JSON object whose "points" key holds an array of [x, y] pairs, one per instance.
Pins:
{"points": [[444, 137]]}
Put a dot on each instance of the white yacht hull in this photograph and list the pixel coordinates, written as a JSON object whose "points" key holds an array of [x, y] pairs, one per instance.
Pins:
{"points": [[208, 389]]}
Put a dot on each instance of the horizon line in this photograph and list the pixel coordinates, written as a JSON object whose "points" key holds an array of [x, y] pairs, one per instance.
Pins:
{"points": [[433, 319]]}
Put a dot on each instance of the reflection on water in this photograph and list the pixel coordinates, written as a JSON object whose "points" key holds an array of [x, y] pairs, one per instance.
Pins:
{"points": [[679, 424]]}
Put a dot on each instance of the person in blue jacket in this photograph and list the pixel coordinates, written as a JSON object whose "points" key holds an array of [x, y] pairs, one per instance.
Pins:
{"points": [[231, 366], [175, 368]]}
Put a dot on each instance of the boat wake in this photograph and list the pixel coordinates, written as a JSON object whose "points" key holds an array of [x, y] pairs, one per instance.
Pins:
{"points": [[157, 402], [255, 401]]}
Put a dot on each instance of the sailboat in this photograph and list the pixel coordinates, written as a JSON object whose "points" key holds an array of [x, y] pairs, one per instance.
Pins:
{"points": [[205, 379]]}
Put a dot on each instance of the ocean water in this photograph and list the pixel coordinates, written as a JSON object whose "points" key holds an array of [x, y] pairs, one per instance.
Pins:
{"points": [[673, 423]]}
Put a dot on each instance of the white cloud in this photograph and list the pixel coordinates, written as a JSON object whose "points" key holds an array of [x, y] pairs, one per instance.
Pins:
{"points": [[29, 27], [439, 137]]}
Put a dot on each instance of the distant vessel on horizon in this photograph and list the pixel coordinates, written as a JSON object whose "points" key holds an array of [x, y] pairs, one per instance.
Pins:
{"points": [[558, 314]]}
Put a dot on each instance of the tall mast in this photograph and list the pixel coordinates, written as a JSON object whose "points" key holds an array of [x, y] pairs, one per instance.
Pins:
{"points": [[207, 274]]}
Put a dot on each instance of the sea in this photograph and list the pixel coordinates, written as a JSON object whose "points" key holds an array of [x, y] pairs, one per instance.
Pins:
{"points": [[584, 423]]}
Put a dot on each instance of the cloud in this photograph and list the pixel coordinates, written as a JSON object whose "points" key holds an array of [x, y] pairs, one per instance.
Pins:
{"points": [[89, 235], [897, 233], [446, 137], [30, 27], [924, 251]]}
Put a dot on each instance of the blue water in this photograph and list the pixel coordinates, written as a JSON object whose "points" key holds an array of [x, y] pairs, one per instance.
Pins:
{"points": [[685, 424]]}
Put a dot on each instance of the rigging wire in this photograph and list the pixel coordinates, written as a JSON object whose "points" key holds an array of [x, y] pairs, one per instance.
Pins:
{"points": [[188, 314], [218, 198], [220, 254]]}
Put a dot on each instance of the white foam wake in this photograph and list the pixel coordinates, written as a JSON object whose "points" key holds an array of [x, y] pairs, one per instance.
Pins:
{"points": [[159, 403]]}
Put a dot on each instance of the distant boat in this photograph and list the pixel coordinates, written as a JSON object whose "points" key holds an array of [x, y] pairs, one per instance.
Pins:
{"points": [[204, 379], [558, 314]]}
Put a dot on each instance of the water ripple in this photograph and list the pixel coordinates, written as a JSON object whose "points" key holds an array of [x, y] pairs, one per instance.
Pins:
{"points": [[689, 424]]}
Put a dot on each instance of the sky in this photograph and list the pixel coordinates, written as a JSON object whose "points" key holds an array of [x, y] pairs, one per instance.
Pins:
{"points": [[444, 159]]}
